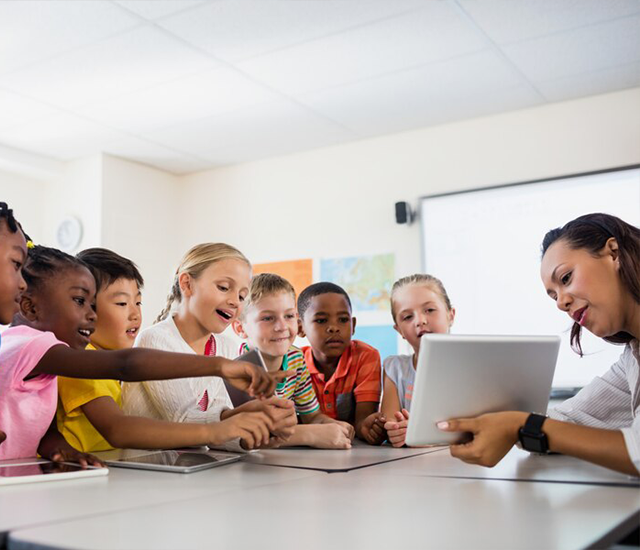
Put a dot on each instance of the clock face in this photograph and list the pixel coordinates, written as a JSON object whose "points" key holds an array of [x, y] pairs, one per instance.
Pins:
{"points": [[69, 234]]}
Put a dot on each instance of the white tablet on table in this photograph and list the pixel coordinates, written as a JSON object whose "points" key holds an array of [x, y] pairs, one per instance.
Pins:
{"points": [[34, 470], [465, 376]]}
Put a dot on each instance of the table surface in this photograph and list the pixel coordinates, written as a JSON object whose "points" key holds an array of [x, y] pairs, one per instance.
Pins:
{"points": [[360, 509], [518, 465], [57, 501], [360, 455], [421, 501]]}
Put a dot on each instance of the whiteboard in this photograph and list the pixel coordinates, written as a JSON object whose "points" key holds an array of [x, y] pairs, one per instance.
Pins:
{"points": [[485, 247]]}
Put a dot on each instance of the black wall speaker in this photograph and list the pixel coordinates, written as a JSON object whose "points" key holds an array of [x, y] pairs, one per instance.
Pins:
{"points": [[403, 213]]}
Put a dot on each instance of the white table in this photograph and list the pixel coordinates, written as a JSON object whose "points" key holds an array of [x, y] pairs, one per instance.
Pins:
{"points": [[360, 455], [518, 465], [361, 509], [56, 501]]}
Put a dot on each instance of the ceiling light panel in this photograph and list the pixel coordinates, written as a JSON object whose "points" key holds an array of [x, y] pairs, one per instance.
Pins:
{"points": [[157, 8], [239, 29], [512, 21], [40, 29], [428, 35], [427, 95], [121, 64], [279, 126], [198, 96], [587, 49]]}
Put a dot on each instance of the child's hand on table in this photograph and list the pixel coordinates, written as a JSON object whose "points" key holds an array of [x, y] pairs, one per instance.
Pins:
{"points": [[372, 428], [69, 454], [397, 429]]}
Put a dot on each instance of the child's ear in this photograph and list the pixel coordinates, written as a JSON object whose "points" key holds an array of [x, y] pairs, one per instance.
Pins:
{"points": [[395, 327], [353, 325], [184, 282], [28, 308], [238, 329], [452, 316], [301, 332]]}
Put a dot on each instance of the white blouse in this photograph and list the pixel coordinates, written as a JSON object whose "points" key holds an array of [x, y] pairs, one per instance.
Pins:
{"points": [[178, 400], [611, 401]]}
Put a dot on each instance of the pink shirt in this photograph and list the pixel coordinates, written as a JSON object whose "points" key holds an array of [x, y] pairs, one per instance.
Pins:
{"points": [[27, 407]]}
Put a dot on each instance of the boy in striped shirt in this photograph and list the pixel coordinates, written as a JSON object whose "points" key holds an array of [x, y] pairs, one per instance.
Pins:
{"points": [[269, 323]]}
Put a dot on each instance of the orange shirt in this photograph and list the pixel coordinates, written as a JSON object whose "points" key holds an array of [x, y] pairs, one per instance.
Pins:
{"points": [[356, 380]]}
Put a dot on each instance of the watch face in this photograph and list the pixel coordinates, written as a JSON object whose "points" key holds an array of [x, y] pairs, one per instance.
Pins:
{"points": [[534, 443]]}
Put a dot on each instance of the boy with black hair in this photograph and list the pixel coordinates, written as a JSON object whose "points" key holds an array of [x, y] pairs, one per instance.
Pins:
{"points": [[345, 373]]}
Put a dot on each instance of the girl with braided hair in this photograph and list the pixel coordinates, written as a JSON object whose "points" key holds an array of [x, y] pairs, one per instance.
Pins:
{"points": [[207, 295]]}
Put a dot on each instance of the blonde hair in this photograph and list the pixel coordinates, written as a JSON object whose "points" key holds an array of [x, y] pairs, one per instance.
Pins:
{"points": [[424, 279], [263, 285], [194, 262]]}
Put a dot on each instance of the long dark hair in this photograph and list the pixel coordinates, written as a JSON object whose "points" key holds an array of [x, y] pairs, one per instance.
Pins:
{"points": [[591, 232]]}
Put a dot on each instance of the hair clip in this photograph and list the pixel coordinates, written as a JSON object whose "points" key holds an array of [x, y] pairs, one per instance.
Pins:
{"points": [[30, 244]]}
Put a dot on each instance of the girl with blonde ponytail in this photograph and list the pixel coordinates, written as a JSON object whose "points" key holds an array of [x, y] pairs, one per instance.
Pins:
{"points": [[206, 296]]}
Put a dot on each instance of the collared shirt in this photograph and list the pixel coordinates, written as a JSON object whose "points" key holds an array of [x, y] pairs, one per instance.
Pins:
{"points": [[297, 388], [356, 380], [610, 401]]}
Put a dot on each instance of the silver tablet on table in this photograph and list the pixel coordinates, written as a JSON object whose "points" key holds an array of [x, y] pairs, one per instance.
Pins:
{"points": [[465, 376], [182, 461]]}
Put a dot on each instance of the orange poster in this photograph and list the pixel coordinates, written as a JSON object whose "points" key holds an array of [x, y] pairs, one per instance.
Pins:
{"points": [[298, 272]]}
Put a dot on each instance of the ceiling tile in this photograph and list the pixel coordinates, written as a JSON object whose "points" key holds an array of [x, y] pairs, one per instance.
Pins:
{"points": [[431, 34], [591, 83], [588, 49], [39, 29], [244, 28], [16, 110], [63, 137], [469, 86], [125, 63], [511, 21], [197, 96], [154, 9], [263, 130], [145, 152]]}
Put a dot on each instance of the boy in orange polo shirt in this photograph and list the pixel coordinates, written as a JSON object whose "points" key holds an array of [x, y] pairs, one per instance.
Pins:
{"points": [[345, 373]]}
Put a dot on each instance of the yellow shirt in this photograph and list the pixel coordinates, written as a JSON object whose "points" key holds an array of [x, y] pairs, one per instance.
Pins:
{"points": [[73, 393]]}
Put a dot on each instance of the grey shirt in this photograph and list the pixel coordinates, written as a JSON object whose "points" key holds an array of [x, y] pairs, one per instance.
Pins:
{"points": [[399, 369]]}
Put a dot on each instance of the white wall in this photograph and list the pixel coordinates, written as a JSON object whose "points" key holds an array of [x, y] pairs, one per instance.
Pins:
{"points": [[23, 195], [339, 200], [141, 221]]}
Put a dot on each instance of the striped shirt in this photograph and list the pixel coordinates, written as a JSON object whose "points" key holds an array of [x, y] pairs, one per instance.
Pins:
{"points": [[610, 401], [297, 388]]}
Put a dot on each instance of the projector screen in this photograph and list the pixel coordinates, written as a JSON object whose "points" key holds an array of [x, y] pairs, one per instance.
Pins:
{"points": [[485, 247]]}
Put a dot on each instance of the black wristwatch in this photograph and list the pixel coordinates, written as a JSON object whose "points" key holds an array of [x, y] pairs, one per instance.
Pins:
{"points": [[531, 436]]}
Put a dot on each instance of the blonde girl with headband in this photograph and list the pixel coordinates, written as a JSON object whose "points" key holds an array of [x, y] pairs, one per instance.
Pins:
{"points": [[419, 305], [207, 295]]}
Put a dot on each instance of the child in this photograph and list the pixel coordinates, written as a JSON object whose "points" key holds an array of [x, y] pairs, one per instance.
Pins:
{"points": [[13, 252], [210, 286], [591, 269], [419, 305], [55, 323], [269, 322], [89, 411], [345, 373]]}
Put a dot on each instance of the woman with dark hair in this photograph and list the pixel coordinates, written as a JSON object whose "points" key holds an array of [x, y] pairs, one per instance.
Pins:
{"points": [[591, 269]]}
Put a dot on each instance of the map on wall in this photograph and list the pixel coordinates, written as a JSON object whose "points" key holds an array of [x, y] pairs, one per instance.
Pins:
{"points": [[367, 279], [298, 272]]}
